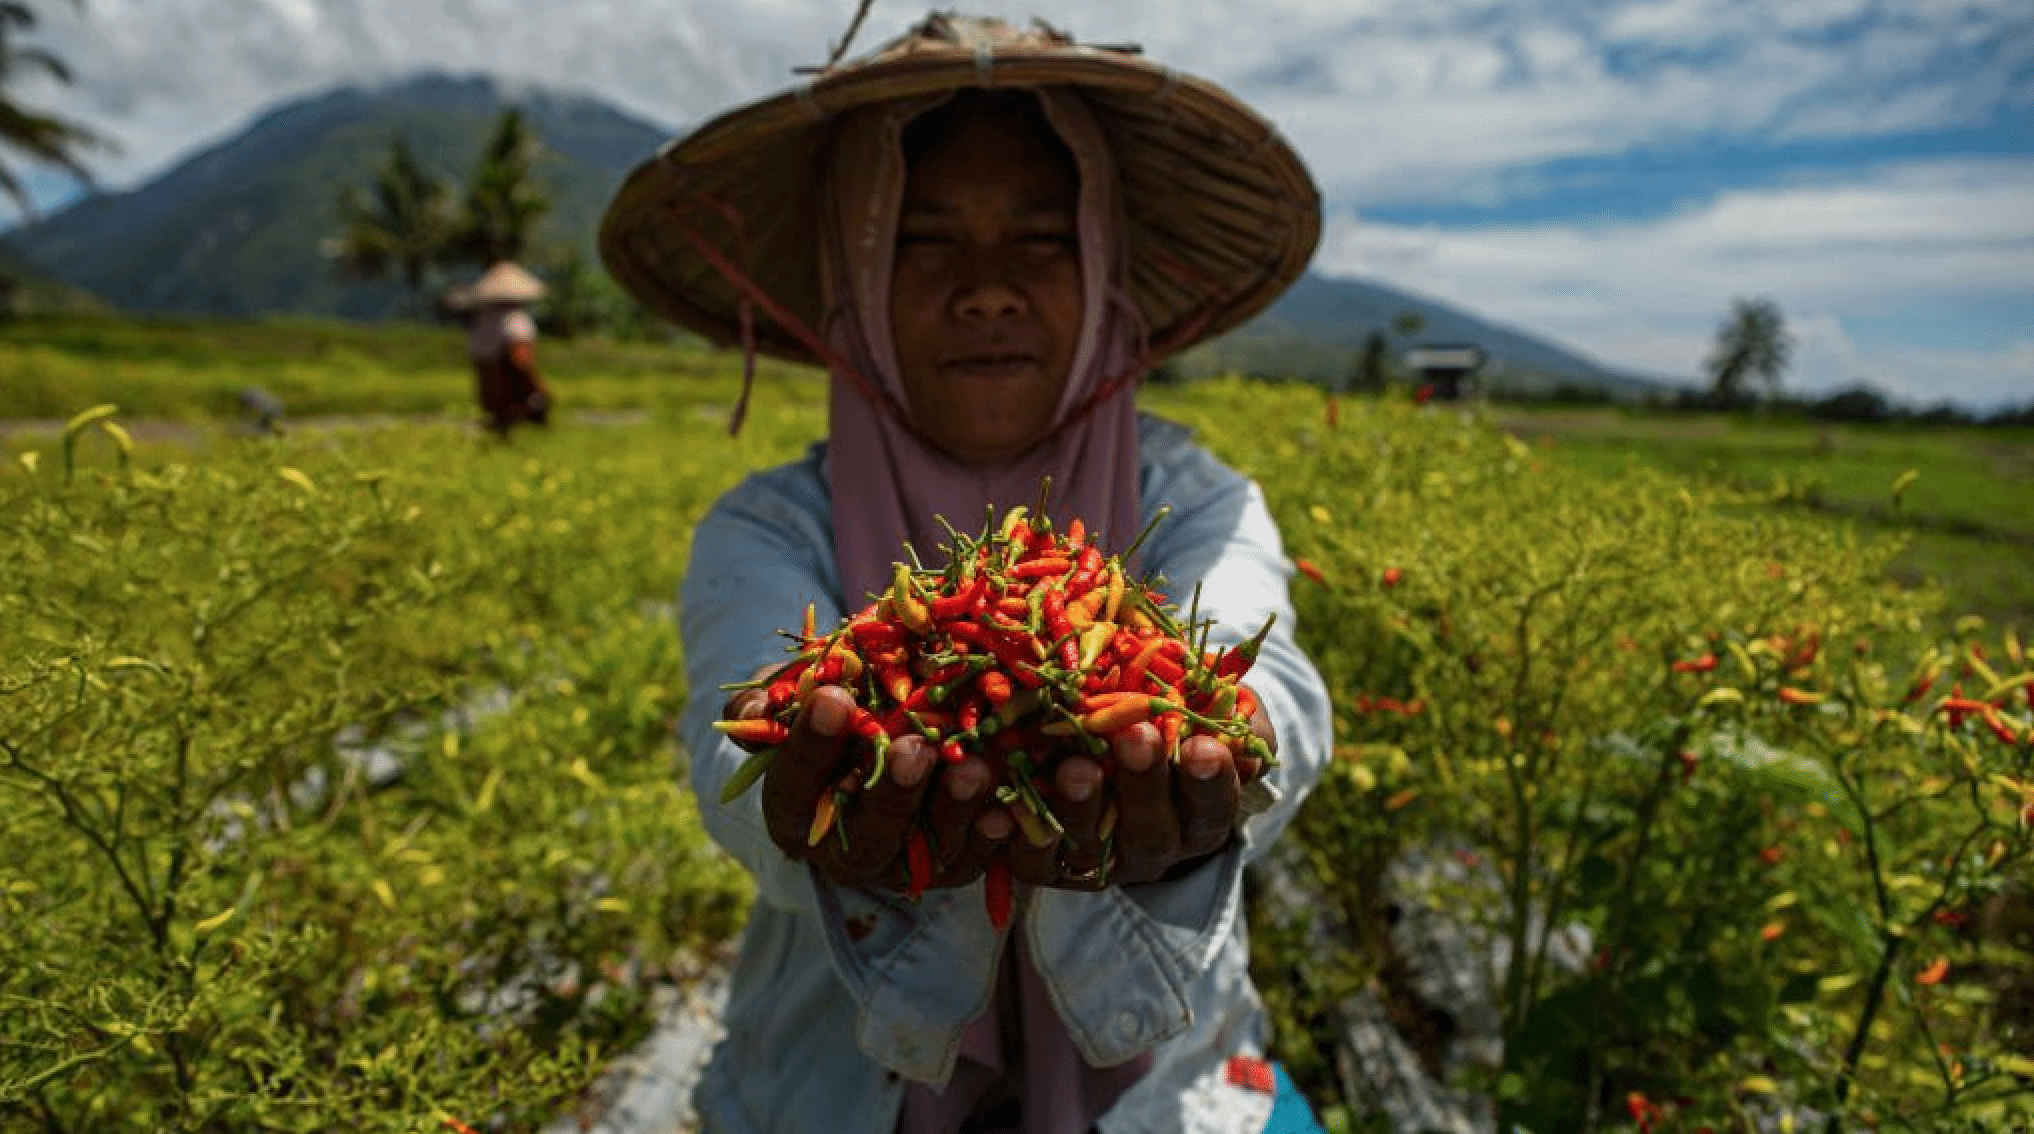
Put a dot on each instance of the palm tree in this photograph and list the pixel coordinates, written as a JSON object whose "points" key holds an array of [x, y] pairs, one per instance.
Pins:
{"points": [[1752, 342], [403, 222], [503, 202], [45, 138]]}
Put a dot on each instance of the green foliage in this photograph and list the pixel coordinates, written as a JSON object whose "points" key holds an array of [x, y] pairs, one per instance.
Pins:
{"points": [[44, 138], [403, 224], [1967, 512], [1584, 678], [219, 915], [503, 202], [195, 369]]}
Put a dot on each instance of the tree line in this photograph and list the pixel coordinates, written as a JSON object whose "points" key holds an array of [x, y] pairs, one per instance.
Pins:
{"points": [[409, 222]]}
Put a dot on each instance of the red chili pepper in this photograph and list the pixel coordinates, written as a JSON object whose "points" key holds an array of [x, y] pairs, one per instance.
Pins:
{"points": [[996, 891], [1310, 571], [973, 633], [2000, 729], [895, 682], [876, 635], [864, 723], [1076, 534], [1804, 657], [1060, 629], [1246, 703], [1133, 673], [1046, 567], [1236, 662], [1165, 668], [1126, 645], [1392, 575], [917, 864], [1119, 715], [1109, 681], [761, 731], [1013, 606], [946, 608], [1703, 664], [1087, 569], [950, 750], [995, 688]]}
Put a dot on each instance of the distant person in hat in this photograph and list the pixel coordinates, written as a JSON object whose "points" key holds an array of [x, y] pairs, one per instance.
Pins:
{"points": [[986, 235], [501, 339]]}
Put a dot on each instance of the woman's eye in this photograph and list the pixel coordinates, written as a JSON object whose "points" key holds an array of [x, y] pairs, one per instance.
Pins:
{"points": [[1047, 243]]}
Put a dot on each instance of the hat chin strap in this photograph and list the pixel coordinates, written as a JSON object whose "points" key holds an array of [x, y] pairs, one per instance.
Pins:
{"points": [[752, 297]]}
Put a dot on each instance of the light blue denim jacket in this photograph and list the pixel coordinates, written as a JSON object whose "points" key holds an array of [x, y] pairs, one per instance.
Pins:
{"points": [[822, 1027]]}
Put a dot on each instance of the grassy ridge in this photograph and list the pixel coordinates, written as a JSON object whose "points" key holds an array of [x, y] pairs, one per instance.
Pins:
{"points": [[1967, 515], [194, 369]]}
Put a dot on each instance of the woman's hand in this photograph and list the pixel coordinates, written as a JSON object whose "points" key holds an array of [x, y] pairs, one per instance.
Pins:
{"points": [[966, 826], [1168, 817]]}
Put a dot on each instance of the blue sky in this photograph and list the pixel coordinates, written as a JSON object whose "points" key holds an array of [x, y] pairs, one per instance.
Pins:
{"points": [[1610, 174]]}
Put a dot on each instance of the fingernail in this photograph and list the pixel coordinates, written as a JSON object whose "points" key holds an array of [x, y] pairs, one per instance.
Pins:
{"points": [[909, 763], [829, 715], [1137, 757], [965, 783], [995, 826], [1077, 786], [1203, 763]]}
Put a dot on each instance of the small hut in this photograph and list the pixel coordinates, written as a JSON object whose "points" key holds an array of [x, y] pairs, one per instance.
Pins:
{"points": [[1447, 370]]}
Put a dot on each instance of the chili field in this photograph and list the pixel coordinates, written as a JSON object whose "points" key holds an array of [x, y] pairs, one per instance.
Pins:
{"points": [[337, 786]]}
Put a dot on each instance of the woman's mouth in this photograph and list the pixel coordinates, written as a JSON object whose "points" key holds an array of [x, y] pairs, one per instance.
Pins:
{"points": [[998, 364]]}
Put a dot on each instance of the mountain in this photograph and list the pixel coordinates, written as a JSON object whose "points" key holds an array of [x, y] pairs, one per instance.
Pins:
{"points": [[1318, 328], [235, 230], [26, 286]]}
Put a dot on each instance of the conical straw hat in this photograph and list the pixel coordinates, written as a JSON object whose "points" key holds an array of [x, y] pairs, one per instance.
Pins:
{"points": [[506, 282], [1222, 214]]}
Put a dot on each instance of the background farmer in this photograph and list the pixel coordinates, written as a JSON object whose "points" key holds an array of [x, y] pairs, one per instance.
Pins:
{"points": [[502, 343], [986, 236]]}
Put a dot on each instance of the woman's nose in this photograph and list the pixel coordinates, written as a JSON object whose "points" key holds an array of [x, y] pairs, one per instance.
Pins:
{"points": [[987, 296]]}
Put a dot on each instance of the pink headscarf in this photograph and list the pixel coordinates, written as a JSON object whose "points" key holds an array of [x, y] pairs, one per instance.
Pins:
{"points": [[888, 484]]}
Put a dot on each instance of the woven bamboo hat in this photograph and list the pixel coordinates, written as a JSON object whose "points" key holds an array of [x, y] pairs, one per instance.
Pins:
{"points": [[505, 282], [1222, 214]]}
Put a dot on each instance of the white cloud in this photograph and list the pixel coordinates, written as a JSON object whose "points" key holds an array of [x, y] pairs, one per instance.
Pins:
{"points": [[1403, 98], [1834, 256], [1389, 101]]}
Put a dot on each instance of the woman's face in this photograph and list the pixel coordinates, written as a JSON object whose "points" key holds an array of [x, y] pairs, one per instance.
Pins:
{"points": [[985, 297]]}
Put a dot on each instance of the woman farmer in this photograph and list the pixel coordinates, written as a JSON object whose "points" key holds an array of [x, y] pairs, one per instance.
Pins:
{"points": [[502, 342], [985, 235]]}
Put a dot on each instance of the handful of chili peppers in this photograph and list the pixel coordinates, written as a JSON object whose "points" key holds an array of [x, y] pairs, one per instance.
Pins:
{"points": [[1029, 646]]}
